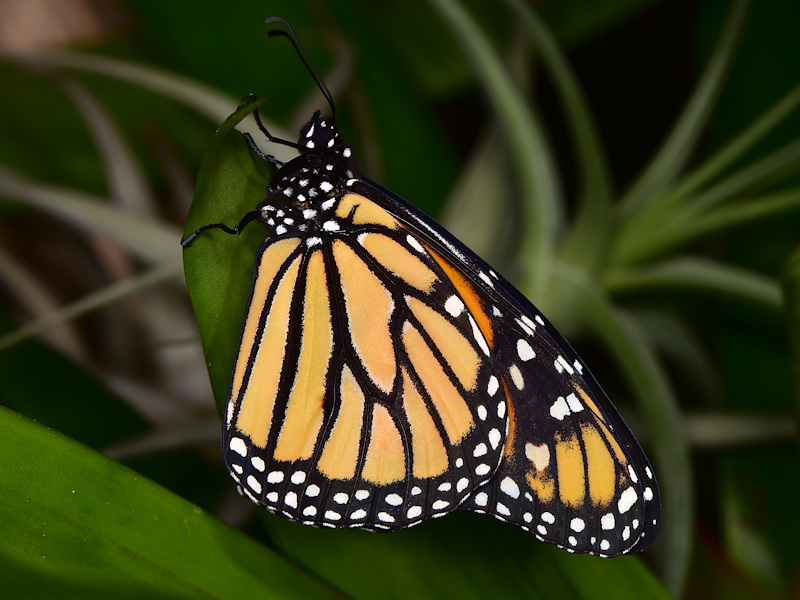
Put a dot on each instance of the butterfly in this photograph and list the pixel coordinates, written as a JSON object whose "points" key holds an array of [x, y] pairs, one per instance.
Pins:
{"points": [[387, 375]]}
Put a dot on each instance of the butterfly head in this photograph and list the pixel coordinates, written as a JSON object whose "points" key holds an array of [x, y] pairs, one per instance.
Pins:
{"points": [[318, 135]]}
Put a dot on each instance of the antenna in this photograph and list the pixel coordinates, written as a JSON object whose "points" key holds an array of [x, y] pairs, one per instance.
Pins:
{"points": [[301, 52]]}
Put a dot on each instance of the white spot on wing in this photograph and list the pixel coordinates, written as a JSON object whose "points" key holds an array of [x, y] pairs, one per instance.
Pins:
{"points": [[476, 333], [412, 241], [394, 499], [238, 446], [560, 409], [516, 377], [483, 469], [627, 499], [494, 385], [562, 365], [509, 486], [574, 404], [524, 350], [254, 484], [495, 438], [454, 306]]}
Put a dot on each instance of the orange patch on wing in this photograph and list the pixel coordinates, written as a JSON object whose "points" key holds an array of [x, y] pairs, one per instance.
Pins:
{"points": [[427, 446], [571, 472], [366, 212], [600, 467], [304, 413], [267, 265], [469, 295], [369, 307], [508, 450], [541, 483], [340, 455], [386, 460], [258, 399], [455, 348], [398, 260], [451, 406]]}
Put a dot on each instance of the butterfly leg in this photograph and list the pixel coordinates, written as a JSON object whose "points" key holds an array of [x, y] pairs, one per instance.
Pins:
{"points": [[251, 216]]}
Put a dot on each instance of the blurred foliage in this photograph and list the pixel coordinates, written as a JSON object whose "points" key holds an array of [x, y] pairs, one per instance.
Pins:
{"points": [[663, 269]]}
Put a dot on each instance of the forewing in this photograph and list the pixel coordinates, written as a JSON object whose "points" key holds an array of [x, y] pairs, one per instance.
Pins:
{"points": [[364, 392]]}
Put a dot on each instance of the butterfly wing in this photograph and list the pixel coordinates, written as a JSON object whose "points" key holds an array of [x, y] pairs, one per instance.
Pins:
{"points": [[364, 393], [572, 472]]}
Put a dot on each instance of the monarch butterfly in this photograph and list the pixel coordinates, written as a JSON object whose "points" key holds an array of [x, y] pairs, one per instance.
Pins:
{"points": [[387, 375]]}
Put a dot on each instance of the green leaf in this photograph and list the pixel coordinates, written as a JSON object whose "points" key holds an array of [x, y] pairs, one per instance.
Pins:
{"points": [[790, 278], [533, 160], [465, 556], [76, 524], [677, 148], [733, 150], [696, 274], [587, 240], [148, 239], [94, 301], [219, 267]]}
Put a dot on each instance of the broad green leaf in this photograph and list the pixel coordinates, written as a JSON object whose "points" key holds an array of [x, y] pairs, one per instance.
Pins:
{"points": [[76, 524], [466, 556]]}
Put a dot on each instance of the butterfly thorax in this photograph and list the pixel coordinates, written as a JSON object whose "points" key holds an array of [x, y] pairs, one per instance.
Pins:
{"points": [[303, 191]]}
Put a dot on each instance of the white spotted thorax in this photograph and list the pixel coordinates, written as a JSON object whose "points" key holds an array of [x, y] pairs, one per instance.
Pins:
{"points": [[302, 195]]}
